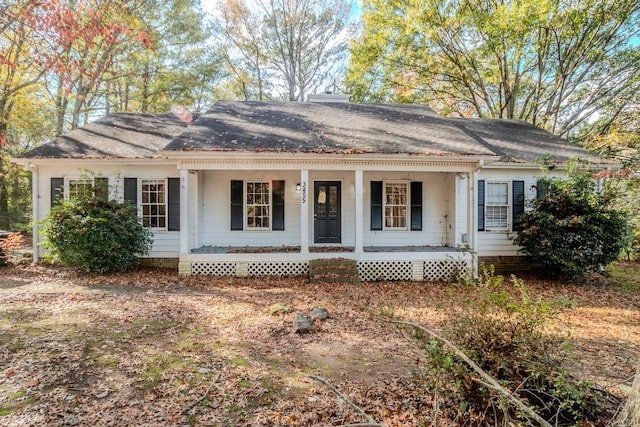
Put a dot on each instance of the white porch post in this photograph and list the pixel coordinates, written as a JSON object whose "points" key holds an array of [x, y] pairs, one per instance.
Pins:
{"points": [[472, 219], [359, 220], [304, 211], [184, 211], [35, 194]]}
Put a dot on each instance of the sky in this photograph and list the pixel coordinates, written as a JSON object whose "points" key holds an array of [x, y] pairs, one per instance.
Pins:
{"points": [[210, 6]]}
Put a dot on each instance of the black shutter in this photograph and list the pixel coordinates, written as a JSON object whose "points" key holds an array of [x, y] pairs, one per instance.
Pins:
{"points": [[57, 191], [101, 188], [376, 205], [541, 188], [481, 205], [518, 201], [131, 190], [236, 204], [173, 204], [416, 206], [277, 203]]}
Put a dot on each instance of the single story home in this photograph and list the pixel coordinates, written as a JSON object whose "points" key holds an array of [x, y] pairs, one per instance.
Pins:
{"points": [[262, 188]]}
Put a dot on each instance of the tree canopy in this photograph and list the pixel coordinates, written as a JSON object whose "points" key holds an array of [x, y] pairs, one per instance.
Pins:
{"points": [[554, 63]]}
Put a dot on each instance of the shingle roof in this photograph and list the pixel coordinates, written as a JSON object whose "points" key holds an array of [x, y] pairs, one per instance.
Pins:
{"points": [[310, 128], [116, 135], [519, 141], [326, 128]]}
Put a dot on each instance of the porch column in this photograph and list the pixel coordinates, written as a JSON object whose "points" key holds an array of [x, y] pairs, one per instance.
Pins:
{"points": [[359, 220], [472, 219], [304, 211], [35, 194], [184, 211]]}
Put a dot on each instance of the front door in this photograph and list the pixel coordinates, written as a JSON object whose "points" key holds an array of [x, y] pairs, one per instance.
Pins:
{"points": [[326, 212]]}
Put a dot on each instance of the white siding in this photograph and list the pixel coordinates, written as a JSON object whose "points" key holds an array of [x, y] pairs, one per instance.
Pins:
{"points": [[214, 213], [165, 243], [461, 222], [437, 211], [496, 243]]}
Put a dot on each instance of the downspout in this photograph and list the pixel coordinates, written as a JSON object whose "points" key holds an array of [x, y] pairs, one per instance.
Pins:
{"points": [[35, 215]]}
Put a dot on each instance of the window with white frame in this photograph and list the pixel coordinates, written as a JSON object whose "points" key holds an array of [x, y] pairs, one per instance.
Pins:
{"points": [[79, 188], [258, 205], [153, 202], [396, 205], [497, 206]]}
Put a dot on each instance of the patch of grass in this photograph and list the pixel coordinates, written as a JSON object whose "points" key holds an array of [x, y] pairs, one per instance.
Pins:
{"points": [[106, 361], [625, 275], [15, 401], [157, 365], [239, 361]]}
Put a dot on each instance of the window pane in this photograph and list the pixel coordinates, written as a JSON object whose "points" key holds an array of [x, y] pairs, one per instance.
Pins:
{"points": [[497, 194], [257, 204], [396, 204], [153, 203]]}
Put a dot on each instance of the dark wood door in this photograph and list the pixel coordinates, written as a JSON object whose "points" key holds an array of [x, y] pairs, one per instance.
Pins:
{"points": [[326, 212]]}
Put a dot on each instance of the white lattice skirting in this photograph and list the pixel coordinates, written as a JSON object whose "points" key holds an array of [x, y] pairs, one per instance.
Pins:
{"points": [[445, 270], [369, 271]]}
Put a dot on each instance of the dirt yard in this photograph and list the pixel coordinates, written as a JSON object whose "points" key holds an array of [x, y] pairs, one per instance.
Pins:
{"points": [[150, 348]]}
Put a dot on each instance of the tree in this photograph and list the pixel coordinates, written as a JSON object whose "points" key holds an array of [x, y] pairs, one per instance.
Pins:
{"points": [[294, 44], [553, 63], [243, 48], [183, 66], [572, 229]]}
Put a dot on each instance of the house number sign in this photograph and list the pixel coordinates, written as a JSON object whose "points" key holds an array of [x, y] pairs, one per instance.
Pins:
{"points": [[303, 197]]}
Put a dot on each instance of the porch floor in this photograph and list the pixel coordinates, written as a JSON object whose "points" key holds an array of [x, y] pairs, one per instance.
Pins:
{"points": [[317, 249]]}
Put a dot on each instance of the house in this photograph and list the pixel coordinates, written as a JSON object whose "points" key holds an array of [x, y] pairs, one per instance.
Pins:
{"points": [[262, 188]]}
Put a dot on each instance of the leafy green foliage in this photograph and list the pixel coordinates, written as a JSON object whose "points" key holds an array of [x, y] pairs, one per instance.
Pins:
{"points": [[572, 229], [504, 330], [542, 61], [96, 235]]}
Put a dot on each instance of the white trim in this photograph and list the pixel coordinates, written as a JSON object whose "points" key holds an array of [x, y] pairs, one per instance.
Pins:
{"points": [[35, 200], [509, 184], [185, 217], [66, 190], [359, 221], [166, 202], [313, 213], [245, 210], [305, 198], [407, 218]]}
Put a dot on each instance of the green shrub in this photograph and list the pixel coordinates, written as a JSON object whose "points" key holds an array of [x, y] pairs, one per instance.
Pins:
{"points": [[572, 229], [96, 235], [504, 331]]}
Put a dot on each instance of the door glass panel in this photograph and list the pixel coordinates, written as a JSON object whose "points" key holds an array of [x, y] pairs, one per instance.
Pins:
{"points": [[322, 198], [333, 201]]}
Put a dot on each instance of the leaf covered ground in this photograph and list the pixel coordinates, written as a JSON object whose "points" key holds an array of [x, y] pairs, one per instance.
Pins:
{"points": [[151, 348]]}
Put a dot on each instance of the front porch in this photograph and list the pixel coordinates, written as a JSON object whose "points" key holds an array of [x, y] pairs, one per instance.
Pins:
{"points": [[398, 220], [417, 263]]}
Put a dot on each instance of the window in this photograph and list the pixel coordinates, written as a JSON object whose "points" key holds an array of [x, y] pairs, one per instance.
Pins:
{"points": [[396, 202], [153, 203], [497, 206], [79, 189], [258, 205]]}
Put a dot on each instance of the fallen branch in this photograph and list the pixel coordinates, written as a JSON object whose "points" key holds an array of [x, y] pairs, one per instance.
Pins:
{"points": [[488, 379], [370, 421], [204, 396], [629, 416]]}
